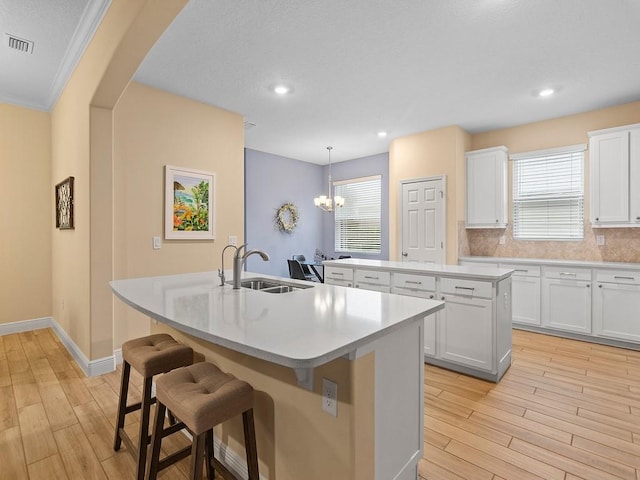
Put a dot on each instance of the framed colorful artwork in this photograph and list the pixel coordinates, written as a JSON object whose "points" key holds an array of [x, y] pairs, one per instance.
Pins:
{"points": [[189, 204], [64, 204]]}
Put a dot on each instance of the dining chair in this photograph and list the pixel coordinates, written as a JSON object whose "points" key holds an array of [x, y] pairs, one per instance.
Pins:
{"points": [[305, 268], [295, 270]]}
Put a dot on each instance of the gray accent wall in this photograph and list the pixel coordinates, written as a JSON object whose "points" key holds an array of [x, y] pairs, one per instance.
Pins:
{"points": [[272, 180]]}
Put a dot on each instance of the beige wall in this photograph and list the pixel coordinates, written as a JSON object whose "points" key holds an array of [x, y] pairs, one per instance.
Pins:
{"points": [[433, 153], [27, 214], [153, 129], [622, 244], [82, 260]]}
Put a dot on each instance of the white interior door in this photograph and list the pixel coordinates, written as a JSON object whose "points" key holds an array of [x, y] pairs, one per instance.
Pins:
{"points": [[423, 220]]}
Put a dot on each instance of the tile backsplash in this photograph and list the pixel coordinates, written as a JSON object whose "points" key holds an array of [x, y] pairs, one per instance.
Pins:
{"points": [[621, 245]]}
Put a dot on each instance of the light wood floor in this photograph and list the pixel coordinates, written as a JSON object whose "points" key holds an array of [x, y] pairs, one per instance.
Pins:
{"points": [[55, 423], [565, 410]]}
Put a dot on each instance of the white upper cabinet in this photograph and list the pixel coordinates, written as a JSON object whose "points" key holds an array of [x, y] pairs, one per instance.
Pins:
{"points": [[615, 177], [487, 188]]}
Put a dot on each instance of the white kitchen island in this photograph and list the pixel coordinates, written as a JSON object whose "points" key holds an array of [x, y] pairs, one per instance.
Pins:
{"points": [[472, 334], [369, 343]]}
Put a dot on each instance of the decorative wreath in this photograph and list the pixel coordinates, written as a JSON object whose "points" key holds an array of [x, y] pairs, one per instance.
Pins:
{"points": [[287, 218]]}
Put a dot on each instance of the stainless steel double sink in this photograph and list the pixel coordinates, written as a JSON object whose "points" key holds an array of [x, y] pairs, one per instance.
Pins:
{"points": [[269, 285]]}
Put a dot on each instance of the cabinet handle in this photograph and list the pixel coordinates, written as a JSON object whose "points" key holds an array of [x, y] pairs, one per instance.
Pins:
{"points": [[568, 273], [371, 278], [597, 219], [337, 273], [464, 288], [600, 286], [431, 296], [413, 282], [520, 270], [588, 285], [497, 221], [637, 218], [442, 298], [405, 254], [624, 278]]}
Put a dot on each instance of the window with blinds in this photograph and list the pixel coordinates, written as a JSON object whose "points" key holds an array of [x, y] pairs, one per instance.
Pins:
{"points": [[357, 224], [548, 194]]}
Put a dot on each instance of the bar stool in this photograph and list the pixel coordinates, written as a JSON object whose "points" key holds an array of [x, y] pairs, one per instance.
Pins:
{"points": [[149, 356], [201, 396]]}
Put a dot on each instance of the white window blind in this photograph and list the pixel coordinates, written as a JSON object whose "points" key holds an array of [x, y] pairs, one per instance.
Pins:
{"points": [[357, 224], [548, 194]]}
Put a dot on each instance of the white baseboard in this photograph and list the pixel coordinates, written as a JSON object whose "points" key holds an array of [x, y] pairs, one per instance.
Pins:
{"points": [[25, 325], [91, 368], [117, 355]]}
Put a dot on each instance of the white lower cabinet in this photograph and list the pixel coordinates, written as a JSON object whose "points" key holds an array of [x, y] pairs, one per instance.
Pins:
{"points": [[616, 306], [424, 287], [525, 291], [566, 299], [466, 331]]}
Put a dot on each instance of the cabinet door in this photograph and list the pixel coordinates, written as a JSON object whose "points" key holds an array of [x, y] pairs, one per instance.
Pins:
{"points": [[429, 322], [609, 154], [566, 305], [634, 172], [340, 283], [465, 331], [487, 188], [617, 311], [525, 292]]}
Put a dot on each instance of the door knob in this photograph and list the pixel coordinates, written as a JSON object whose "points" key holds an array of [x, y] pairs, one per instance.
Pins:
{"points": [[405, 254]]}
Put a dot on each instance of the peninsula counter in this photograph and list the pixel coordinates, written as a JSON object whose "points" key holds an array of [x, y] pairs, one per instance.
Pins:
{"points": [[369, 343]]}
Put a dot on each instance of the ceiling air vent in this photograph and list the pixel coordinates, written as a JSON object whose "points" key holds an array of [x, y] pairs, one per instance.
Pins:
{"points": [[20, 44], [249, 125]]}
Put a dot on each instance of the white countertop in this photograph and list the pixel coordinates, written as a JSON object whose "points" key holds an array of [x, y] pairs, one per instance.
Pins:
{"points": [[549, 262], [300, 329], [458, 271]]}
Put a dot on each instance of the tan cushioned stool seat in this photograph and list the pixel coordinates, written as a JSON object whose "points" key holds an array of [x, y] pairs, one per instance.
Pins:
{"points": [[156, 354], [202, 396]]}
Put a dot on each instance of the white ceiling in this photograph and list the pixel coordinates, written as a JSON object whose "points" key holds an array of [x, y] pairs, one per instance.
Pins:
{"points": [[360, 66]]}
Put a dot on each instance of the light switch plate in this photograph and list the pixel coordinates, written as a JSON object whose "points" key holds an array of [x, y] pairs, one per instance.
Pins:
{"points": [[157, 243]]}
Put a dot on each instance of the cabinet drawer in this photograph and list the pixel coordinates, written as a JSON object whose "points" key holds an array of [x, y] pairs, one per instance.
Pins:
{"points": [[568, 273], [618, 276], [410, 292], [414, 282], [373, 277], [338, 273], [522, 270], [471, 288]]}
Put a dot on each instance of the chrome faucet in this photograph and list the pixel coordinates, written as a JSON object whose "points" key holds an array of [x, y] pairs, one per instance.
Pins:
{"points": [[238, 262], [221, 270]]}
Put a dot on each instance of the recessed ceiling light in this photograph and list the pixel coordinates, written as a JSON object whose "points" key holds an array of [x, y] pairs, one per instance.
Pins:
{"points": [[546, 92], [281, 89], [382, 134]]}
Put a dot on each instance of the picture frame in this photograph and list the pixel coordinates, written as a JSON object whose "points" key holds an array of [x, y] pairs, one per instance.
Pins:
{"points": [[189, 211], [64, 204]]}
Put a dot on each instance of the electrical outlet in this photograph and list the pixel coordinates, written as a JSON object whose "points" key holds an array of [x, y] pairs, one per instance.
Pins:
{"points": [[157, 243], [233, 240], [503, 240], [330, 397], [600, 240]]}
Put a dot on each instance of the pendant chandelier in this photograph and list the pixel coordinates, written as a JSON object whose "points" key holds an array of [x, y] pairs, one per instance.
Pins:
{"points": [[325, 202]]}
